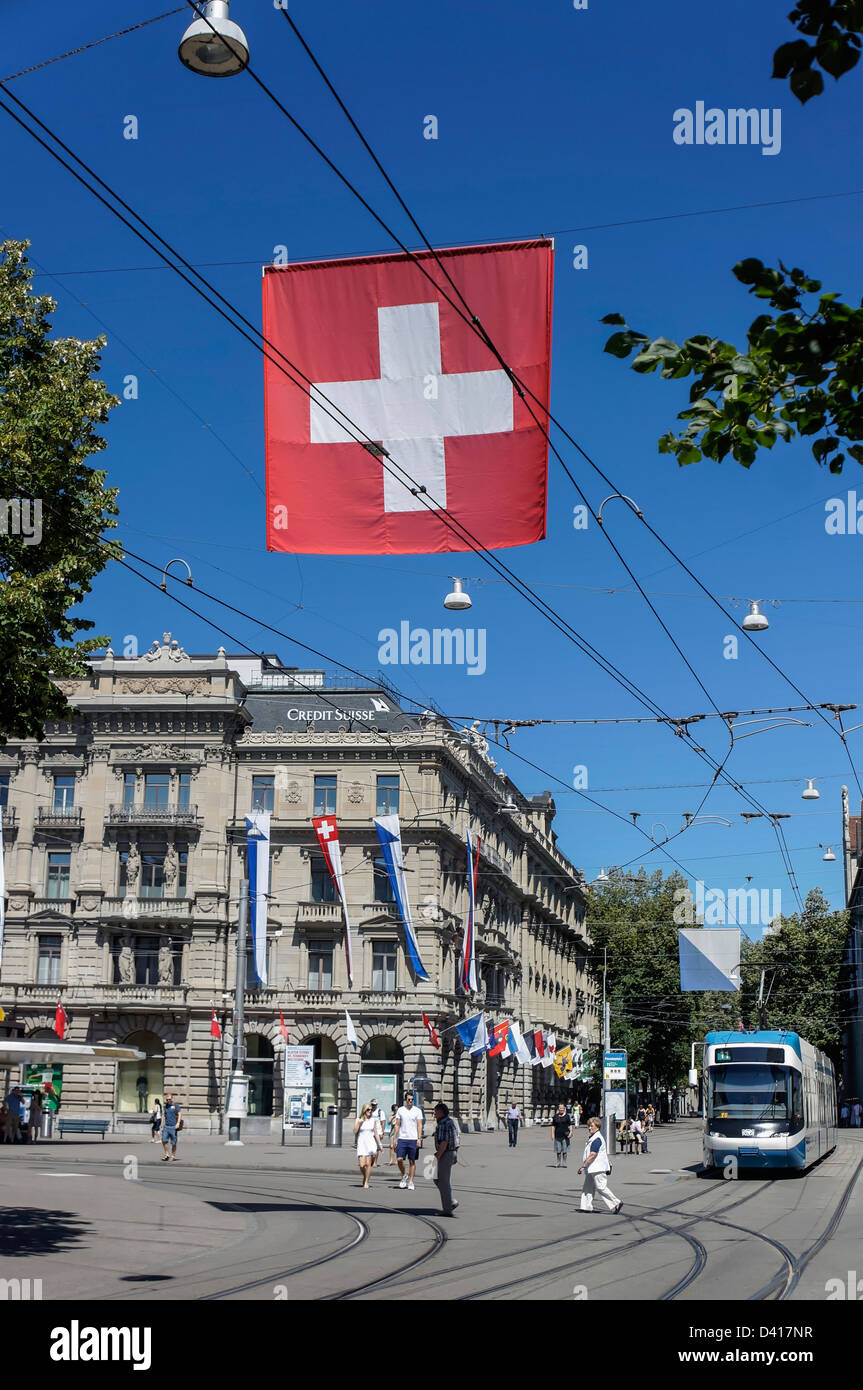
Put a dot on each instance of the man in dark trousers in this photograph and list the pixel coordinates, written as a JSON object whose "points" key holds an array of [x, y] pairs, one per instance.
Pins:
{"points": [[513, 1115], [446, 1153]]}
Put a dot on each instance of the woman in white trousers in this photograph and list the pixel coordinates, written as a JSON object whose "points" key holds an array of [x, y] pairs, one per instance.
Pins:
{"points": [[596, 1167]]}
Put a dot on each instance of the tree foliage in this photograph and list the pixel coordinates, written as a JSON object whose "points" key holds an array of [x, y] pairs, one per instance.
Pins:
{"points": [[835, 26], [801, 372], [802, 960], [50, 404]]}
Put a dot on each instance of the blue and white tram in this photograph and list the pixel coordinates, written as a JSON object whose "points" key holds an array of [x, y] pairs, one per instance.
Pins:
{"points": [[769, 1101]]}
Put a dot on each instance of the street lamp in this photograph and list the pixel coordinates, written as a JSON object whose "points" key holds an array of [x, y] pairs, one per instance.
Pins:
{"points": [[214, 46], [755, 620], [458, 599]]}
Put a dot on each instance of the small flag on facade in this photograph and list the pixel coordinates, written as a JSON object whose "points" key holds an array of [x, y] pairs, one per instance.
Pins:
{"points": [[433, 1037], [467, 963], [283, 1027], [390, 837], [258, 868], [352, 1032], [518, 1046], [548, 1050], [474, 1033], [215, 1030], [60, 1020], [328, 838], [540, 1044], [563, 1061], [499, 1039]]}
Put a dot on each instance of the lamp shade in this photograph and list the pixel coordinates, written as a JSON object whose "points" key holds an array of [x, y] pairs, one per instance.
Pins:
{"points": [[214, 54]]}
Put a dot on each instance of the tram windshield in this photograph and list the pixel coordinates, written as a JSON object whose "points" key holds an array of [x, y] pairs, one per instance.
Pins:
{"points": [[752, 1091]]}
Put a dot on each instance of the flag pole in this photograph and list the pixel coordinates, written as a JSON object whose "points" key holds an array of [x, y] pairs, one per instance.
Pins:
{"points": [[237, 1107]]}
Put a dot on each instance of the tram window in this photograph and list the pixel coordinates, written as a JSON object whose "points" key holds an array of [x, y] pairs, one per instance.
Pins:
{"points": [[796, 1101], [749, 1092]]}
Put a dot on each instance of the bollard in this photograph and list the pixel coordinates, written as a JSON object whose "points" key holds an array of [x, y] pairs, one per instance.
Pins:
{"points": [[46, 1125], [334, 1127], [609, 1133]]}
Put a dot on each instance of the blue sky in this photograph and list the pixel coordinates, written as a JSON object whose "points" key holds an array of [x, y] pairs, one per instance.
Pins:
{"points": [[548, 123]]}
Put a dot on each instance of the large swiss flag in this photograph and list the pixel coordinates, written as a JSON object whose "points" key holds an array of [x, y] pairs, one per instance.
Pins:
{"points": [[381, 345]]}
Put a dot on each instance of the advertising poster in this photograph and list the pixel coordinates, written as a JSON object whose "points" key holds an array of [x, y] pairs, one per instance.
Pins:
{"points": [[614, 1083], [49, 1079], [299, 1083]]}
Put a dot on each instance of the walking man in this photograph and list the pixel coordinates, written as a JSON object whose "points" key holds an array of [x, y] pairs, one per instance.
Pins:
{"points": [[596, 1167], [561, 1128], [446, 1153], [173, 1123], [513, 1115], [408, 1134]]}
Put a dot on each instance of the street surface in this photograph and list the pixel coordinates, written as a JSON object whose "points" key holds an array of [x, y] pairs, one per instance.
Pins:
{"points": [[264, 1222]]}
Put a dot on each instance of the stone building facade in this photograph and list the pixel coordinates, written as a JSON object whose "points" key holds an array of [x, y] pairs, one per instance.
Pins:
{"points": [[124, 846]]}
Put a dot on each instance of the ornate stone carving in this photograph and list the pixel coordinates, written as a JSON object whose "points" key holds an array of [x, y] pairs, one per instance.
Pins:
{"points": [[160, 752], [170, 869], [163, 685], [168, 651], [133, 870], [293, 793], [166, 961], [355, 792]]}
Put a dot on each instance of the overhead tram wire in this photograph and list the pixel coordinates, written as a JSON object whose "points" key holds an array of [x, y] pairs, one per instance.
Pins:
{"points": [[94, 43], [453, 524], [522, 387]]}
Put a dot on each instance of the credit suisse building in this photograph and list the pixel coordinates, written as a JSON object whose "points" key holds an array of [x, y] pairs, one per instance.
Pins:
{"points": [[124, 842]]}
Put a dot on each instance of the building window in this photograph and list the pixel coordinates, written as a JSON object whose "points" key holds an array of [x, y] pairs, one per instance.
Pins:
{"points": [[157, 790], [323, 888], [64, 793], [321, 966], [4, 789], [152, 873], [128, 789], [325, 796], [383, 888], [48, 971], [146, 960], [58, 875], [384, 955], [263, 793], [185, 791], [388, 796]]}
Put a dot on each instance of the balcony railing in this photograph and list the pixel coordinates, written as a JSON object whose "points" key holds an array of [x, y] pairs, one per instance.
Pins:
{"points": [[319, 997], [59, 816], [319, 913], [178, 909], [172, 814], [384, 998], [9, 816], [140, 994], [64, 907]]}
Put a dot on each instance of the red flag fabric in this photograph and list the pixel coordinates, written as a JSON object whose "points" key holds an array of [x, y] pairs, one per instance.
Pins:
{"points": [[540, 1045], [60, 1020], [433, 1037], [384, 349], [283, 1027], [327, 832], [500, 1033], [215, 1030]]}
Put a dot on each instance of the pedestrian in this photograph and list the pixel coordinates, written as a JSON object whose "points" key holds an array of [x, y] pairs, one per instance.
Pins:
{"points": [[366, 1129], [35, 1116], [856, 1114], [446, 1152], [15, 1109], [576, 1115], [173, 1124], [596, 1167], [141, 1088], [408, 1134], [651, 1118], [155, 1120], [561, 1129], [393, 1109], [637, 1129], [380, 1129], [513, 1115]]}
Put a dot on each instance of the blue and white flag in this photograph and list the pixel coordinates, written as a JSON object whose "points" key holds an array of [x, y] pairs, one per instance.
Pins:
{"points": [[709, 958], [390, 837], [517, 1047], [258, 860], [474, 1033], [2, 888], [352, 1032]]}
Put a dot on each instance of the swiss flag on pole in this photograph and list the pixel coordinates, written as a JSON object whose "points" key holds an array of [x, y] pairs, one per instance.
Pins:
{"points": [[381, 344], [215, 1030], [60, 1020], [283, 1028], [433, 1037]]}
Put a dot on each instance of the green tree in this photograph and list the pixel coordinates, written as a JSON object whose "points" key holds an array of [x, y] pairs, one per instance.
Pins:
{"points": [[50, 404], [835, 26], [802, 371], [631, 919], [802, 961]]}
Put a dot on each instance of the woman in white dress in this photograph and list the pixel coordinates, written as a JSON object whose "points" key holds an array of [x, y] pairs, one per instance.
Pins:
{"points": [[367, 1142]]}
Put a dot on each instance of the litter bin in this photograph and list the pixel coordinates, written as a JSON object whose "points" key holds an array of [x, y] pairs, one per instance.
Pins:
{"points": [[609, 1133], [46, 1125], [334, 1127]]}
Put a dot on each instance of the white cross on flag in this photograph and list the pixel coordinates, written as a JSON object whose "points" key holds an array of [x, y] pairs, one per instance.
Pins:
{"points": [[392, 360], [328, 838]]}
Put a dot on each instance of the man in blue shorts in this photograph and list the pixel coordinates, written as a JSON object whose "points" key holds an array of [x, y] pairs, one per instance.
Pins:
{"points": [[172, 1123], [407, 1137]]}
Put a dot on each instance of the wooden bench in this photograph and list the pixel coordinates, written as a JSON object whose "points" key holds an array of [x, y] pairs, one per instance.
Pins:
{"points": [[74, 1126]]}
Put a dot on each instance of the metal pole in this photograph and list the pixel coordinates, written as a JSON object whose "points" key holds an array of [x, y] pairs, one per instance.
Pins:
{"points": [[238, 1050]]}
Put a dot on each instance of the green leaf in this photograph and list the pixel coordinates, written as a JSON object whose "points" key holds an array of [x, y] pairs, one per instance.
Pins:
{"points": [[791, 55], [806, 83], [614, 318]]}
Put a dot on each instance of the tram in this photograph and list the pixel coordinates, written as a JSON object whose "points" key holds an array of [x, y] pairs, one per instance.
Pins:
{"points": [[769, 1101]]}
